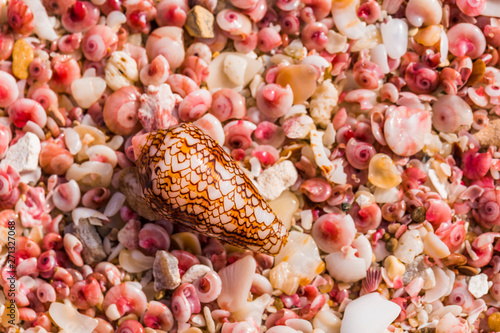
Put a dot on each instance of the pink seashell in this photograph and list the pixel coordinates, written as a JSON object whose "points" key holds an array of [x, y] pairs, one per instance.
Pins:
{"points": [[333, 231], [185, 302], [80, 17], [466, 39], [367, 218], [316, 189], [453, 235], [158, 316], [127, 298]]}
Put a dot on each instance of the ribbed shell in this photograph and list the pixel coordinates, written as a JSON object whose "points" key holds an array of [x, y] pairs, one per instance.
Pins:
{"points": [[188, 178]]}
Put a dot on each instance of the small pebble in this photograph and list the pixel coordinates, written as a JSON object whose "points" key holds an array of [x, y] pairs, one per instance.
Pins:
{"points": [[200, 23], [494, 321], [490, 135], [22, 56], [418, 214], [166, 271], [391, 244], [478, 285]]}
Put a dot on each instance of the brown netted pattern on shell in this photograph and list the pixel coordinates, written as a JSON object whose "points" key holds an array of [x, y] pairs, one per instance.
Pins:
{"points": [[188, 178]]}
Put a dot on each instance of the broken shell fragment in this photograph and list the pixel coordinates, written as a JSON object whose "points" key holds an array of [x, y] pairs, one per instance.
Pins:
{"points": [[188, 178]]}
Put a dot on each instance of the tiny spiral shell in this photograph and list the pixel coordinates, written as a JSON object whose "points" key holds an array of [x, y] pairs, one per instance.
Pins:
{"points": [[188, 178]]}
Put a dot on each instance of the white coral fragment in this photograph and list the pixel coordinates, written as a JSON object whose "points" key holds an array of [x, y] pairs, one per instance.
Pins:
{"points": [[276, 179], [323, 101]]}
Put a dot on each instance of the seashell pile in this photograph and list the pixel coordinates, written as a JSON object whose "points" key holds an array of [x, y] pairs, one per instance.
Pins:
{"points": [[276, 166]]}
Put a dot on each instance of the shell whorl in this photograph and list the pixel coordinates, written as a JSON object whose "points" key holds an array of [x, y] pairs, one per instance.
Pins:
{"points": [[188, 178]]}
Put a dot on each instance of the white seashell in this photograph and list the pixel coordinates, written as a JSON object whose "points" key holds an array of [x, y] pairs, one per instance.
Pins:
{"points": [[302, 254], [492, 8], [281, 329], [195, 272], [115, 19], [282, 278], [298, 127], [447, 323], [424, 12], [346, 19], [114, 204], [211, 126], [121, 70], [333, 170], [261, 283], [68, 319], [365, 252], [441, 287], [370, 313], [383, 195], [345, 266], [41, 22], [234, 68], [103, 151], [409, 246], [300, 325], [87, 90], [285, 207], [378, 55], [91, 174], [455, 310], [254, 309], [217, 78], [395, 37], [336, 42], [444, 47], [72, 140], [134, 261], [435, 247], [327, 321], [236, 283], [370, 39]]}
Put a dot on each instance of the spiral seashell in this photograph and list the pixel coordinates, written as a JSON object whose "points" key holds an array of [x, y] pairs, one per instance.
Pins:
{"points": [[188, 178]]}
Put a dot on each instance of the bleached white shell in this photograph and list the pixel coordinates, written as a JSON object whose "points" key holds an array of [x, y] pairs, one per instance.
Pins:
{"points": [[87, 90], [395, 37], [234, 68], [370, 313]]}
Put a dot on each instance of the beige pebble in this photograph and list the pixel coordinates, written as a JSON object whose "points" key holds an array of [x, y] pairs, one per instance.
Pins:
{"points": [[200, 22], [490, 135], [394, 267]]}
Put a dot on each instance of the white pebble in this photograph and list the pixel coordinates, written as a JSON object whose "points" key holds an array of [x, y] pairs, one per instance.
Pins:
{"points": [[478, 285], [23, 155]]}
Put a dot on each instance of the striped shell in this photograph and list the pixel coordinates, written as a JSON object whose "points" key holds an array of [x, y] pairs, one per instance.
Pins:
{"points": [[188, 178]]}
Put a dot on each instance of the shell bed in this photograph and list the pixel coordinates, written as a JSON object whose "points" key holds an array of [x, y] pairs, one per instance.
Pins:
{"points": [[249, 166]]}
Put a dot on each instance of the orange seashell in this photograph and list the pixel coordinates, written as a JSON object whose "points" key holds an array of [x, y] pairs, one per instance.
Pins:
{"points": [[188, 178]]}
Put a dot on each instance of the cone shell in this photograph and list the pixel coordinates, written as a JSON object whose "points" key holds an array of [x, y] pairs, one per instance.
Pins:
{"points": [[188, 178]]}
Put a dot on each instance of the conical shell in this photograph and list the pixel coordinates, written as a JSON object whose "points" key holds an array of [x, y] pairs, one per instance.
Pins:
{"points": [[188, 178]]}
